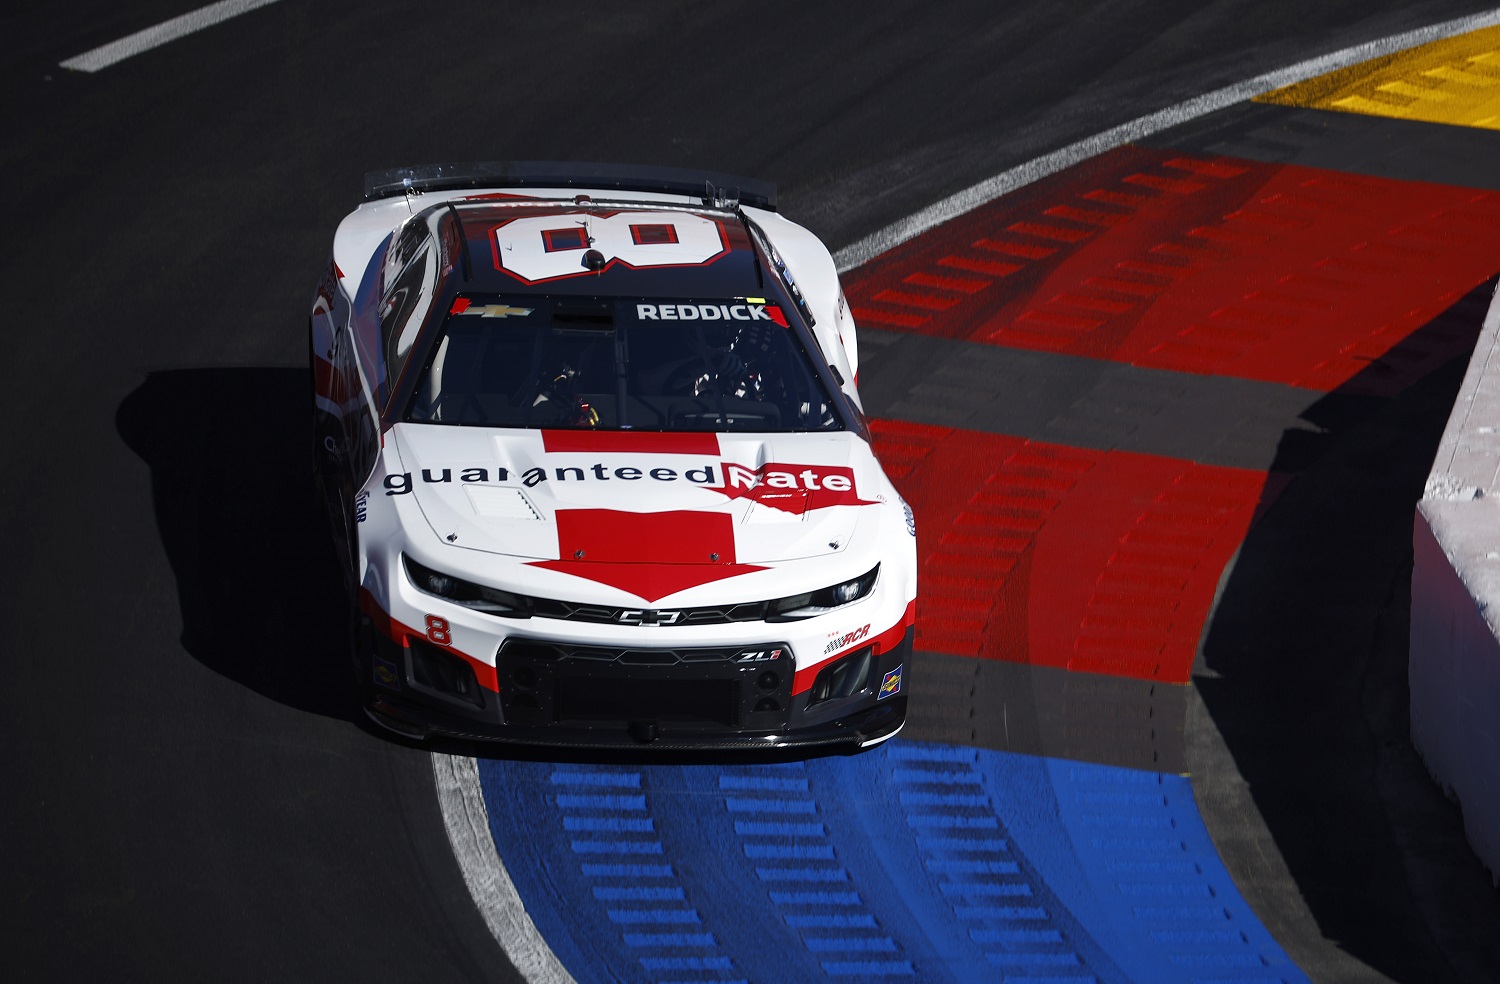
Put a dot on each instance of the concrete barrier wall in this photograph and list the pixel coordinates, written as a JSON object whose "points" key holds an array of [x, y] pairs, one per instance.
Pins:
{"points": [[1455, 603]]}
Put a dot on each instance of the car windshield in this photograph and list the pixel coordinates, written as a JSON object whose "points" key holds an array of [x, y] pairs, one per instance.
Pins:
{"points": [[688, 364]]}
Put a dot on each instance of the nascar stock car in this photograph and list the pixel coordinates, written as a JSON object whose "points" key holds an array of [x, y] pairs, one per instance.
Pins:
{"points": [[589, 441]]}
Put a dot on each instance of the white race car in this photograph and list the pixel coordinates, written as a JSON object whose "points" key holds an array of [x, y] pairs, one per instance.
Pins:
{"points": [[590, 445]]}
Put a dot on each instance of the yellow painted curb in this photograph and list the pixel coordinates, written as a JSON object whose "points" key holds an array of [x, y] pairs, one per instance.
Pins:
{"points": [[1455, 81]]}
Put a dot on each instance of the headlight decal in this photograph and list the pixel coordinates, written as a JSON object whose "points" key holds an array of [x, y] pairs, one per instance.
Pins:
{"points": [[831, 598]]}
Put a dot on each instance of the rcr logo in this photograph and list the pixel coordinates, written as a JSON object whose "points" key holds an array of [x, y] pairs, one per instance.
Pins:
{"points": [[649, 616], [838, 641]]}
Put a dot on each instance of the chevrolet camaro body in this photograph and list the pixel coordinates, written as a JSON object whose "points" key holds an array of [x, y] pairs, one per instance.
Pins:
{"points": [[595, 462]]}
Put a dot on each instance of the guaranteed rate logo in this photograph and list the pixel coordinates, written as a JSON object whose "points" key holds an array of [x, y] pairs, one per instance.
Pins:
{"points": [[401, 482], [791, 488], [788, 487]]}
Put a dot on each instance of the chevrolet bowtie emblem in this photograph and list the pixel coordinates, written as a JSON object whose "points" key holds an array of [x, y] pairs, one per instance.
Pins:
{"points": [[496, 310], [649, 617]]}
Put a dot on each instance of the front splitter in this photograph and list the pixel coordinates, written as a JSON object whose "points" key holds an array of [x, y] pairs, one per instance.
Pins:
{"points": [[860, 729]]}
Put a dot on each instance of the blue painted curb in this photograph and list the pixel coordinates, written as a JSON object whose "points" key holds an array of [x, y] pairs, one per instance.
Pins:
{"points": [[914, 861]]}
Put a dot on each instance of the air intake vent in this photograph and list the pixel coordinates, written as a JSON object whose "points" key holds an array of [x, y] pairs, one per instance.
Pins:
{"points": [[843, 678]]}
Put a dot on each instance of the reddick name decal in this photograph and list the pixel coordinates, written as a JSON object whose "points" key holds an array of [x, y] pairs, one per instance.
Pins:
{"points": [[791, 488], [710, 312]]}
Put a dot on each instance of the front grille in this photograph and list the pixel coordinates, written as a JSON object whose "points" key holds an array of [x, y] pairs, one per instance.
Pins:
{"points": [[691, 688], [730, 655], [713, 615], [586, 699]]}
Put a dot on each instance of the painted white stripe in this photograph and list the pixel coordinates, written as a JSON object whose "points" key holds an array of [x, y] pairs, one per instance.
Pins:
{"points": [[458, 777], [987, 191], [153, 37], [494, 893]]}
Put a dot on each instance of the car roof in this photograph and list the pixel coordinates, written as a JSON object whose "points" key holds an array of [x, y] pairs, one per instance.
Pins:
{"points": [[519, 244]]}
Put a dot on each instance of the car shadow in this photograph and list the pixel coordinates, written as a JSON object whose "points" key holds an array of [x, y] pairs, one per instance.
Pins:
{"points": [[1303, 672], [231, 485]]}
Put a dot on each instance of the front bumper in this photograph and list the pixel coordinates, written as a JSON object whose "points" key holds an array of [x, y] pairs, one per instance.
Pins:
{"points": [[669, 699]]}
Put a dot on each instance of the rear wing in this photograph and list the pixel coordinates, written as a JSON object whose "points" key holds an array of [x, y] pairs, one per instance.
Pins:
{"points": [[714, 188]]}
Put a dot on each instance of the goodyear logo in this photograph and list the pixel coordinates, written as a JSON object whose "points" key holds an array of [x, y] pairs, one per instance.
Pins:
{"points": [[890, 684], [386, 674]]}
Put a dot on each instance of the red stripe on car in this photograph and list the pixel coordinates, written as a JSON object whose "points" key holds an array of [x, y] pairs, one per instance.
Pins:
{"points": [[399, 633], [650, 555], [639, 442]]}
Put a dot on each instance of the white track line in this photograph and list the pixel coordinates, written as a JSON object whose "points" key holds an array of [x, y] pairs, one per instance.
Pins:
{"points": [[153, 37], [468, 825], [459, 793], [987, 191]]}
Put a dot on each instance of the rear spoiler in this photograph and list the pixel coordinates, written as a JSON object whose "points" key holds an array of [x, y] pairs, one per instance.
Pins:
{"points": [[713, 188]]}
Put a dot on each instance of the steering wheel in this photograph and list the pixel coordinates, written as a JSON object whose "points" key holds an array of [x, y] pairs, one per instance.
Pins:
{"points": [[724, 367], [683, 378]]}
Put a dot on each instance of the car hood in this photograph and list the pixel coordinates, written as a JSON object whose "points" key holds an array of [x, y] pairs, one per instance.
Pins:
{"points": [[594, 503]]}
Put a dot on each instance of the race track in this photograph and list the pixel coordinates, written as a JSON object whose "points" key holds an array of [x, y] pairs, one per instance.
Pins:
{"points": [[190, 791]]}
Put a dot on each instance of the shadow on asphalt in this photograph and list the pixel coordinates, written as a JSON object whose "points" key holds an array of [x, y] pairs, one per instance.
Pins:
{"points": [[231, 484], [1303, 672]]}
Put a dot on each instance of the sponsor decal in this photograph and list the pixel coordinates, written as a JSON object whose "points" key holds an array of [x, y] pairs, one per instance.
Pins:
{"points": [[466, 307], [400, 483], [649, 616], [890, 684], [711, 312], [911, 519], [788, 487], [839, 640], [387, 673], [361, 507], [792, 488], [750, 657]]}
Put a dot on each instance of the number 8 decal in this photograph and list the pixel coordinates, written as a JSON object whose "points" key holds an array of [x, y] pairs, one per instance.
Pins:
{"points": [[548, 248], [438, 631]]}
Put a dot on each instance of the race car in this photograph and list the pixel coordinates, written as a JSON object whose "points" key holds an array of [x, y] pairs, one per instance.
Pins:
{"points": [[590, 446]]}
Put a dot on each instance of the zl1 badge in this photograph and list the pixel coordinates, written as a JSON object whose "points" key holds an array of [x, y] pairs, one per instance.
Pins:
{"points": [[890, 684]]}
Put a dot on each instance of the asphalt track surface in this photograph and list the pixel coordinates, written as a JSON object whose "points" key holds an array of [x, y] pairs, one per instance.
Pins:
{"points": [[188, 790]]}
